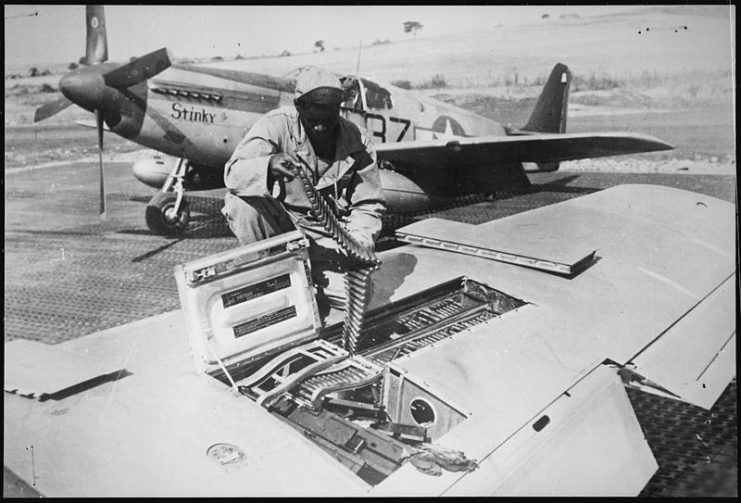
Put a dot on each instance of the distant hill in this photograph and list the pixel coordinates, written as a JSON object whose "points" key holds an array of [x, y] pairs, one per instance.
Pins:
{"points": [[583, 41], [716, 11], [606, 45]]}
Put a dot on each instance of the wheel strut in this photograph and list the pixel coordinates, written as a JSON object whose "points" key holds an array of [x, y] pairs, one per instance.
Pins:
{"points": [[174, 182]]}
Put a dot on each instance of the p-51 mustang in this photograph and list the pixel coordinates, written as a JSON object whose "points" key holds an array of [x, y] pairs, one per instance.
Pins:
{"points": [[428, 151]]}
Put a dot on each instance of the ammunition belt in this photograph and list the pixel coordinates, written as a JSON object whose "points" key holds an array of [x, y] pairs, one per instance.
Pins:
{"points": [[357, 281], [351, 373]]}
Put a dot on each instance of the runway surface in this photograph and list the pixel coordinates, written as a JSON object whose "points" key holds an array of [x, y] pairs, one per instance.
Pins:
{"points": [[69, 273]]}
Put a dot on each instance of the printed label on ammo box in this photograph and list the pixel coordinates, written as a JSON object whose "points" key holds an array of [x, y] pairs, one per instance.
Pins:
{"points": [[257, 290], [265, 321]]}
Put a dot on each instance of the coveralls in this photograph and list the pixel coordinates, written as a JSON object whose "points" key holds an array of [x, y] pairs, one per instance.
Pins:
{"points": [[258, 207]]}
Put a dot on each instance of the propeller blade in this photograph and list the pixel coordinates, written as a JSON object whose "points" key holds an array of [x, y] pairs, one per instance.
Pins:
{"points": [[97, 41], [99, 122], [52, 108], [139, 69]]}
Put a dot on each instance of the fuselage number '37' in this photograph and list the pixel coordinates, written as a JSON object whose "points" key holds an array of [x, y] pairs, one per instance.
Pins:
{"points": [[380, 120]]}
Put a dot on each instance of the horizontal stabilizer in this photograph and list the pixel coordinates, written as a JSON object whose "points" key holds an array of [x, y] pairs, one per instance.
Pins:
{"points": [[541, 148], [91, 124]]}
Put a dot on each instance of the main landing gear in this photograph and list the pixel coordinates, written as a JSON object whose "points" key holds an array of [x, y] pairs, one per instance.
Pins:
{"points": [[168, 212]]}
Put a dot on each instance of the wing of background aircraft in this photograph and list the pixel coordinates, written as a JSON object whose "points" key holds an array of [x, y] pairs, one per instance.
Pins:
{"points": [[526, 147]]}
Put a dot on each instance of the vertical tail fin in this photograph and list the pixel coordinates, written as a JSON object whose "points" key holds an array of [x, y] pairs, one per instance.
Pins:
{"points": [[549, 114], [97, 43]]}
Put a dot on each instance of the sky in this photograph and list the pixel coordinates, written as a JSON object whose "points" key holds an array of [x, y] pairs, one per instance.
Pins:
{"points": [[38, 34]]}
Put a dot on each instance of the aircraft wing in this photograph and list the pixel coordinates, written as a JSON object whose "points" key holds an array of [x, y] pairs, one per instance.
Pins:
{"points": [[535, 393], [657, 303], [650, 283], [541, 148]]}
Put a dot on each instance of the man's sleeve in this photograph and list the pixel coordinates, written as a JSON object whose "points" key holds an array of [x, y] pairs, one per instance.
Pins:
{"points": [[246, 172], [367, 204]]}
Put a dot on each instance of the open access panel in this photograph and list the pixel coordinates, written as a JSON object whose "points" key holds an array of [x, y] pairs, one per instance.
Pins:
{"points": [[253, 323]]}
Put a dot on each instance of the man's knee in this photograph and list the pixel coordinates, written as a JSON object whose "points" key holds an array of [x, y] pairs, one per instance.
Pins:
{"points": [[240, 208], [253, 219]]}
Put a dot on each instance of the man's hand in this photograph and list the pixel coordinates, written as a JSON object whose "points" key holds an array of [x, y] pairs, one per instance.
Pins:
{"points": [[365, 241], [281, 165]]}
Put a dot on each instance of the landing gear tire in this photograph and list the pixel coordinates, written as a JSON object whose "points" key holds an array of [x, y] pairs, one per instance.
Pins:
{"points": [[162, 217]]}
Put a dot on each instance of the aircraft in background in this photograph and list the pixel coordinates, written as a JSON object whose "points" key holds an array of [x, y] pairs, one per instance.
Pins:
{"points": [[429, 152]]}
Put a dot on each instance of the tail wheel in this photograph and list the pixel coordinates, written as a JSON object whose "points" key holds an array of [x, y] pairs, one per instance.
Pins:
{"points": [[162, 218]]}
